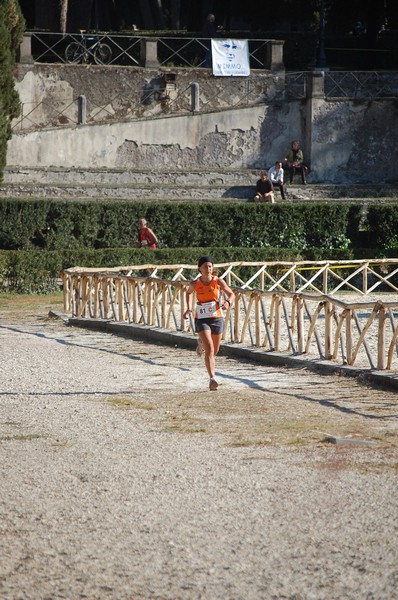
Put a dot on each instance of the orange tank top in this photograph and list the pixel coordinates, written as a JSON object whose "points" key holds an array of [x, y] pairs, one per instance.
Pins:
{"points": [[207, 294]]}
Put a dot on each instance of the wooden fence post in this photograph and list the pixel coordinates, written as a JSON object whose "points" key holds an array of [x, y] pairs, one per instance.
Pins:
{"points": [[165, 291], [325, 281], [134, 298], [105, 296], [120, 299], [277, 336], [300, 323], [257, 318], [182, 307], [328, 330], [348, 335], [149, 300], [381, 339], [236, 317], [66, 288], [365, 279]]}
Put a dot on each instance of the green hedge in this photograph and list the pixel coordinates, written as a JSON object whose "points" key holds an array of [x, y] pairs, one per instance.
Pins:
{"points": [[40, 238], [12, 25], [382, 226], [55, 225]]}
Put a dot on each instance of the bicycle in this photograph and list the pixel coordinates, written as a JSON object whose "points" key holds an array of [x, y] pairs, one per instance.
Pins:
{"points": [[88, 48]]}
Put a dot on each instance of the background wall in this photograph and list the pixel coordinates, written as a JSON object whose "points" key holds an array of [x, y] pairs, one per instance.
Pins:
{"points": [[343, 140]]}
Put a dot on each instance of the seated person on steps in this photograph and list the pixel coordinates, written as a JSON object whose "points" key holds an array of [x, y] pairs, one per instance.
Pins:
{"points": [[275, 175], [294, 161], [264, 189]]}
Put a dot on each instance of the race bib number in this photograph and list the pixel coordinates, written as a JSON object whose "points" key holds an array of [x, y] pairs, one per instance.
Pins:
{"points": [[207, 309]]}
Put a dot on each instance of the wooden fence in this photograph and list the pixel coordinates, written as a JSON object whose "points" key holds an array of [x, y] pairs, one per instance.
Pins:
{"points": [[294, 309]]}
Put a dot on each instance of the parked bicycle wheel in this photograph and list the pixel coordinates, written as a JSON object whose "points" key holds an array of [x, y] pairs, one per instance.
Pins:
{"points": [[74, 52], [102, 54]]}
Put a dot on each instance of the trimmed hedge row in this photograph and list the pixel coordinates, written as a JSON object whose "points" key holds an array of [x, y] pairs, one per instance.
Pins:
{"points": [[382, 226], [55, 225], [40, 238], [38, 271]]}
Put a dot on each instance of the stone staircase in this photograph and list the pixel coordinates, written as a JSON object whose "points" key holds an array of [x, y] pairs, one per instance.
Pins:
{"points": [[173, 185]]}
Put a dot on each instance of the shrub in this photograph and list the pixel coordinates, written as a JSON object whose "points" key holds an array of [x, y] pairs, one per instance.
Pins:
{"points": [[11, 31], [99, 224]]}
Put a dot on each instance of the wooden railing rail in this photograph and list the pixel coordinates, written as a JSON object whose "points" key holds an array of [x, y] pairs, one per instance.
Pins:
{"points": [[362, 334], [362, 277]]}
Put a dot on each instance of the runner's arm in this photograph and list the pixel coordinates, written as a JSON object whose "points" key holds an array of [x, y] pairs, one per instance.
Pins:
{"points": [[230, 295]]}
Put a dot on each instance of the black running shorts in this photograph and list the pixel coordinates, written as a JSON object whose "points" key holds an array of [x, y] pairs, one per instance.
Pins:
{"points": [[214, 324]]}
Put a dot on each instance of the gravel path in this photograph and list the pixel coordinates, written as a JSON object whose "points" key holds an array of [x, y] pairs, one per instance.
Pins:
{"points": [[123, 478]]}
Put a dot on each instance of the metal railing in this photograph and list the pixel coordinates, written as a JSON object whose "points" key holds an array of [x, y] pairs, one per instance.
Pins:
{"points": [[126, 50], [299, 320], [295, 85], [43, 114], [49, 47], [361, 84], [346, 85]]}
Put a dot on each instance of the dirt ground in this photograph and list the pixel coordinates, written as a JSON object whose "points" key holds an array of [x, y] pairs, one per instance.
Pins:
{"points": [[255, 405]]}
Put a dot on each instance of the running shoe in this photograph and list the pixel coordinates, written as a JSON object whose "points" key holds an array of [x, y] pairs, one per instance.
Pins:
{"points": [[213, 385]]}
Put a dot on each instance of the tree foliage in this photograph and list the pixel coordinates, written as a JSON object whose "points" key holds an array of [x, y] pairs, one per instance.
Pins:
{"points": [[11, 31]]}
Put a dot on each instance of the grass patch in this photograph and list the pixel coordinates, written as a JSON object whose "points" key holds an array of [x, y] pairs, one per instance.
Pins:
{"points": [[295, 441], [185, 424], [23, 304], [120, 402], [243, 442], [184, 428]]}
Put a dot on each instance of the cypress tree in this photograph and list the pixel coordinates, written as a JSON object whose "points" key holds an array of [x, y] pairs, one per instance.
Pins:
{"points": [[11, 31]]}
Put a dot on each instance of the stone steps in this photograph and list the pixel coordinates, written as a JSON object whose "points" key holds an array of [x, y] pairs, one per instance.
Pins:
{"points": [[120, 177], [132, 193], [173, 186]]}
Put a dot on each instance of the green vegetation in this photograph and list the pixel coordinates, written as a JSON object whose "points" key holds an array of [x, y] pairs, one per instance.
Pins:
{"points": [[11, 31], [39, 239], [63, 225]]}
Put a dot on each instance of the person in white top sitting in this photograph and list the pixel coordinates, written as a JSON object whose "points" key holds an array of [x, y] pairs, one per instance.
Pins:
{"points": [[275, 175]]}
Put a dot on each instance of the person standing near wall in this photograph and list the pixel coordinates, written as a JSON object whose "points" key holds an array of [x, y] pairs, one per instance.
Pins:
{"points": [[209, 320], [209, 31], [146, 237]]}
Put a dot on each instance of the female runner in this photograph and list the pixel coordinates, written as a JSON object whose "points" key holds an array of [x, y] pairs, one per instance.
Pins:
{"points": [[209, 321]]}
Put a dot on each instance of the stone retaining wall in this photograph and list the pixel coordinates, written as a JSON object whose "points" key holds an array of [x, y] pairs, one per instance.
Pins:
{"points": [[344, 141]]}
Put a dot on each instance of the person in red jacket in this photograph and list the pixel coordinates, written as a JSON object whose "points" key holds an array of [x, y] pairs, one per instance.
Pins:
{"points": [[146, 237], [209, 320]]}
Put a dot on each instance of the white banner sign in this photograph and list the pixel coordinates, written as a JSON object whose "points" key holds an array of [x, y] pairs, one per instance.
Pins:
{"points": [[230, 58]]}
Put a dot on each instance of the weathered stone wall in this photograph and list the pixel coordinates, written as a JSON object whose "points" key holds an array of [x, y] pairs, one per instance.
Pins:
{"points": [[115, 93], [218, 139], [343, 141], [355, 141]]}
